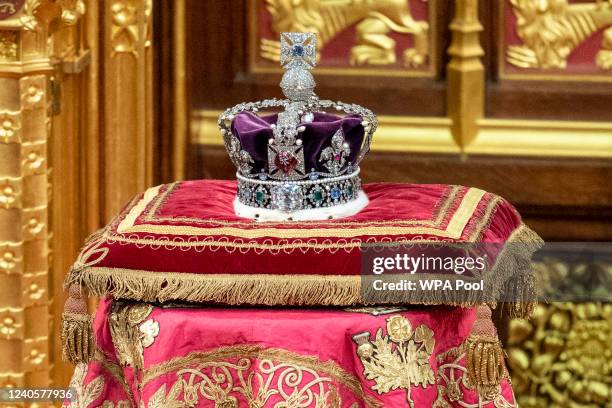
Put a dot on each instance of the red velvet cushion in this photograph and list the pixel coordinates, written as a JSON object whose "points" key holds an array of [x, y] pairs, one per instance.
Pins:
{"points": [[183, 241]]}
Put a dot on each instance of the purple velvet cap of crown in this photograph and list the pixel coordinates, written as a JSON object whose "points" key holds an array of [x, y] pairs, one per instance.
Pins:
{"points": [[254, 132]]}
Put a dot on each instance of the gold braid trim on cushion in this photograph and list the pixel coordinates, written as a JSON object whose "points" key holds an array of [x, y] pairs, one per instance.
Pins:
{"points": [[512, 273], [439, 213], [245, 351], [453, 230]]}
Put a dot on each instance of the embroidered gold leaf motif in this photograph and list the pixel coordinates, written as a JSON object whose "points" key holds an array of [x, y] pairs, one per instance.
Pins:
{"points": [[85, 394], [399, 359], [162, 400], [130, 337]]}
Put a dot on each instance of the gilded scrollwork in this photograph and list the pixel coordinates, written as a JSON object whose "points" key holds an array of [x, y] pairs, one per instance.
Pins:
{"points": [[399, 359], [253, 376], [72, 10], [375, 21], [221, 382], [10, 127], [562, 356], [129, 30], [9, 48], [552, 29], [604, 56], [27, 41]]}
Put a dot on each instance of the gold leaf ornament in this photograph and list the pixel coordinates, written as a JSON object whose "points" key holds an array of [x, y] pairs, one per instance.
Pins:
{"points": [[399, 328], [398, 360]]}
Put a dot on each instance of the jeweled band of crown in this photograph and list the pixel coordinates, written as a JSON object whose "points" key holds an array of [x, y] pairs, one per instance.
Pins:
{"points": [[284, 183]]}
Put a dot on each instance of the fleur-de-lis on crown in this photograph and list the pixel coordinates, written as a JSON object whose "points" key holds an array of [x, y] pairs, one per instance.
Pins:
{"points": [[335, 156]]}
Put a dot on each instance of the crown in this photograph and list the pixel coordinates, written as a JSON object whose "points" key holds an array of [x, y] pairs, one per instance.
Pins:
{"points": [[303, 157]]}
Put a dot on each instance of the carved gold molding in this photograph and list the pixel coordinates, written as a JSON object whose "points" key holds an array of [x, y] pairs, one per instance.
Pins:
{"points": [[542, 138], [181, 117], [501, 137], [561, 356], [465, 72], [24, 194], [128, 102]]}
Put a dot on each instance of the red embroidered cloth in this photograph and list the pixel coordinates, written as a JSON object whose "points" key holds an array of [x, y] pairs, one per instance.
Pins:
{"points": [[240, 357], [182, 241]]}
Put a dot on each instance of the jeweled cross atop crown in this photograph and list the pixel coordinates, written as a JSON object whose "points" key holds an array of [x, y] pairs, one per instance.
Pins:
{"points": [[298, 50], [298, 56]]}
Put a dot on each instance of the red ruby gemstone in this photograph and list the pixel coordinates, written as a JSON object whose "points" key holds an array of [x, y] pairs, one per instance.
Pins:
{"points": [[285, 161], [337, 157]]}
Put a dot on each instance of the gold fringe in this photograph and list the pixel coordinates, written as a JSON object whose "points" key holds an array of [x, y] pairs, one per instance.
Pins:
{"points": [[512, 263], [513, 273], [77, 338], [267, 290]]}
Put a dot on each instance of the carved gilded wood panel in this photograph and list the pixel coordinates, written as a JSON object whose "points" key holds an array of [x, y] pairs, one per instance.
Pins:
{"points": [[389, 37], [556, 40]]}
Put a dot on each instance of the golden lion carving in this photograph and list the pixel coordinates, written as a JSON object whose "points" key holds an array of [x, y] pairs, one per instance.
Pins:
{"points": [[552, 29], [374, 19]]}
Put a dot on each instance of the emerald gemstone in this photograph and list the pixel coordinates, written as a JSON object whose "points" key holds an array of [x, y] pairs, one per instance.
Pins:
{"points": [[317, 195], [260, 197]]}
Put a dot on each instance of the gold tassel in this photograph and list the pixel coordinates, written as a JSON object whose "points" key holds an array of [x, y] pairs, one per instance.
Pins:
{"points": [[484, 358], [77, 332]]}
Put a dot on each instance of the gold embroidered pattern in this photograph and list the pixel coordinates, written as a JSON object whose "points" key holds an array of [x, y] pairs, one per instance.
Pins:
{"points": [[130, 335], [116, 372], [87, 394], [452, 380], [398, 360], [170, 400], [258, 375]]}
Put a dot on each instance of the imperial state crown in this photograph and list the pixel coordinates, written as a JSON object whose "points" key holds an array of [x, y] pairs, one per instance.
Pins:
{"points": [[301, 163]]}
